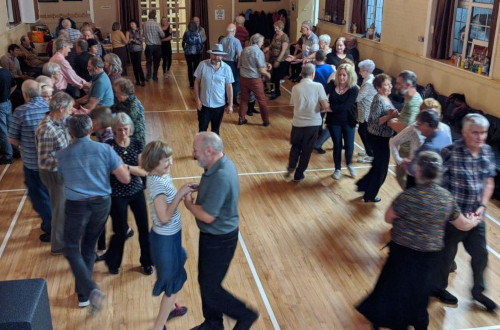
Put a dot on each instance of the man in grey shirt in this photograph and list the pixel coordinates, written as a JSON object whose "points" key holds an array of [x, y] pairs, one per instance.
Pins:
{"points": [[153, 35], [216, 213], [212, 84], [232, 47]]}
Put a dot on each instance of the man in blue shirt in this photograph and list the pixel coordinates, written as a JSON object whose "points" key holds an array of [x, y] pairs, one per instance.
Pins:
{"points": [[23, 124], [85, 166], [101, 91], [213, 82]]}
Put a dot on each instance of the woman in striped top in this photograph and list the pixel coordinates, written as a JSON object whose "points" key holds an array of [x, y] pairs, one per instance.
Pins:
{"points": [[165, 237]]}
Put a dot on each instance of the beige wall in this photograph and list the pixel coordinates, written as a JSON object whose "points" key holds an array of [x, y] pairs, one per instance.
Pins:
{"points": [[9, 36]]}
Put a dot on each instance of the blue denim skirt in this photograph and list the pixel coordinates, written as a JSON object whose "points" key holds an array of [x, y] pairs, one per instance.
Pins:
{"points": [[169, 258]]}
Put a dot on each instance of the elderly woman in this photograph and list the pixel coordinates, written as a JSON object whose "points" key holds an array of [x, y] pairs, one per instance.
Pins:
{"points": [[340, 53], [278, 52], [324, 43], [192, 43], [113, 66], [379, 133], [47, 86], [124, 195], [135, 38], [166, 236], [418, 216], [130, 104], [119, 43], [252, 66], [68, 75], [364, 101], [341, 122], [53, 71]]}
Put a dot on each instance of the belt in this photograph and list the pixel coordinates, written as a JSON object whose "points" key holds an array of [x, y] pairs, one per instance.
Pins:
{"points": [[89, 199]]}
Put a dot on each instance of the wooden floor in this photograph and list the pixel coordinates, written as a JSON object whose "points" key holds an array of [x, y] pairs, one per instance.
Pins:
{"points": [[308, 252]]}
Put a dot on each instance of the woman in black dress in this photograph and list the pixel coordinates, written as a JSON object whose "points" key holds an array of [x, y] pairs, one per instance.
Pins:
{"points": [[166, 47]]}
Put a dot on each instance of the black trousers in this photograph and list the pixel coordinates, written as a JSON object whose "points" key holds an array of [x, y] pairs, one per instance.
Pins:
{"points": [[363, 134], [302, 140], [192, 63], [135, 58], [215, 255], [211, 116], [119, 208], [153, 56], [166, 56], [375, 178], [278, 74]]}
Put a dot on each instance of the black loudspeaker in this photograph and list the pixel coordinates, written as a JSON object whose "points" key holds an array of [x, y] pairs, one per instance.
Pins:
{"points": [[24, 305]]}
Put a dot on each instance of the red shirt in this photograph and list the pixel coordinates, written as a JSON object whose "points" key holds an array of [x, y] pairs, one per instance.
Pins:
{"points": [[242, 35]]}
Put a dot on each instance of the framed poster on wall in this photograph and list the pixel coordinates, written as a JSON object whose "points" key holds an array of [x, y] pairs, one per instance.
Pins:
{"points": [[247, 0], [48, 0]]}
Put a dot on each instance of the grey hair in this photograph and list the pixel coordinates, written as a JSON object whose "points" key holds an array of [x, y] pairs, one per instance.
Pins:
{"points": [[430, 164], [240, 19], [60, 99], [97, 62], [256, 38], [115, 63], [60, 43], [475, 119], [49, 69], [367, 65], [125, 86], [31, 88], [44, 80], [80, 126], [83, 44], [308, 70], [66, 23], [122, 119], [409, 77], [210, 139], [308, 23], [326, 39], [230, 29]]}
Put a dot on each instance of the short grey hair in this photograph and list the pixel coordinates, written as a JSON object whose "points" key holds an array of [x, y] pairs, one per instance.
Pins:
{"points": [[308, 70], [60, 99], [83, 44], [210, 139], [309, 24], [325, 38], [44, 81], [49, 69], [475, 119], [240, 19], [66, 23], [230, 29], [60, 43], [367, 65], [409, 77], [80, 126], [97, 62], [115, 63], [122, 119], [31, 88], [256, 38], [125, 86]]}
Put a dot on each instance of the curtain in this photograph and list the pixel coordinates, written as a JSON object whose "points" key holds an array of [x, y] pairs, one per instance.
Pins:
{"points": [[494, 19], [443, 26], [199, 8], [16, 12], [129, 10], [359, 15], [335, 8]]}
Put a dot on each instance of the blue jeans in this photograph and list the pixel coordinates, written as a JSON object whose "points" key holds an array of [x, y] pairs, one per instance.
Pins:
{"points": [[346, 133], [84, 222], [236, 75], [5, 114], [39, 197]]}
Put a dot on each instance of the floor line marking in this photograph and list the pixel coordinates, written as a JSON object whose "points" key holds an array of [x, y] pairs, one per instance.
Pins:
{"points": [[484, 328], [259, 283], [4, 171], [179, 89], [286, 89], [12, 224], [12, 190]]}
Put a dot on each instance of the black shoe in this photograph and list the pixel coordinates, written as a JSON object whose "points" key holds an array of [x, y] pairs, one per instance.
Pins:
{"points": [[148, 270], [143, 84], [130, 233], [249, 113], [298, 178], [138, 84], [485, 301], [113, 270], [375, 200], [155, 78], [16, 154], [242, 121], [246, 323], [255, 111], [178, 311], [274, 96], [5, 161], [266, 123], [320, 151], [102, 257], [45, 237], [453, 267], [445, 297]]}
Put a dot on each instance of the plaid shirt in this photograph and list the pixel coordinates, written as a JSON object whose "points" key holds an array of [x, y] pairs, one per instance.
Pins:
{"points": [[153, 32], [50, 137], [73, 34], [464, 175]]}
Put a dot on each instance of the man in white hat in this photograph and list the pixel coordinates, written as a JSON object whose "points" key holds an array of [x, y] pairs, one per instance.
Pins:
{"points": [[213, 81]]}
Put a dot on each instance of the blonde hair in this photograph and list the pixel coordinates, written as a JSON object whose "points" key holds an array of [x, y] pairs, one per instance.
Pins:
{"points": [[153, 152], [430, 103], [352, 77]]}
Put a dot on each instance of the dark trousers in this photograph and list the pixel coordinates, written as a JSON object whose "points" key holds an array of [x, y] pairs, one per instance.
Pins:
{"points": [[83, 224], [123, 55], [39, 197], [375, 178], [296, 69], [166, 56], [119, 208], [278, 74], [475, 244], [210, 115], [192, 63], [363, 134], [236, 75], [342, 135], [302, 140], [215, 255], [135, 57], [5, 115], [255, 85], [153, 57]]}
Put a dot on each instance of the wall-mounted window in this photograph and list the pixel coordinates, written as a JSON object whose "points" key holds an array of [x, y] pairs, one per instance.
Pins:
{"points": [[374, 10], [13, 12], [334, 9]]}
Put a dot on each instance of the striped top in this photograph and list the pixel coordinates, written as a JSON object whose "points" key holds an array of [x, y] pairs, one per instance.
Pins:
{"points": [[379, 109], [163, 186], [22, 127]]}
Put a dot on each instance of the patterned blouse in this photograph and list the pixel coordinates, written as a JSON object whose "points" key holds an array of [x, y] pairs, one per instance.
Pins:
{"points": [[275, 48], [379, 109], [422, 215], [130, 156]]}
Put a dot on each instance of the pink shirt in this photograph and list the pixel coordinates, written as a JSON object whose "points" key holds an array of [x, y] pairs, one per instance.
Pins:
{"points": [[68, 75]]}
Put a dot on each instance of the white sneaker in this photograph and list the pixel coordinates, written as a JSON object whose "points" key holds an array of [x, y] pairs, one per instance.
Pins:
{"points": [[352, 171], [365, 160], [165, 75], [336, 174], [362, 153]]}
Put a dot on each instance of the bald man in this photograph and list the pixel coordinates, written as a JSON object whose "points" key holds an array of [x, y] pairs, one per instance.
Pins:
{"points": [[232, 47]]}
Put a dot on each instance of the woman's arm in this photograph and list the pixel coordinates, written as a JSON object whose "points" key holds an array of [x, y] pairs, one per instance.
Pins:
{"points": [[400, 138], [390, 215], [465, 224], [164, 211]]}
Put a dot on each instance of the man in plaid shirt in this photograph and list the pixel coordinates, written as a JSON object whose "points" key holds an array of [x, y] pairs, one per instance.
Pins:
{"points": [[469, 170], [153, 35], [51, 135]]}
